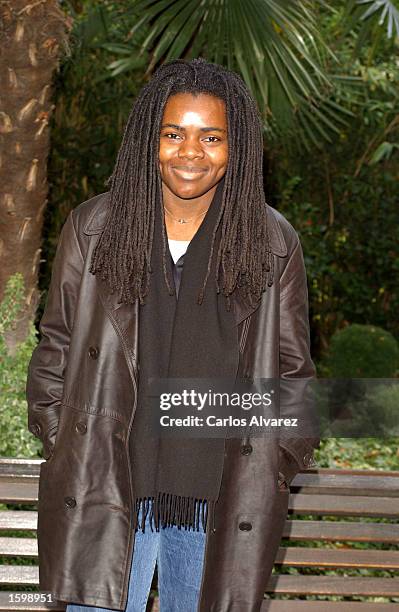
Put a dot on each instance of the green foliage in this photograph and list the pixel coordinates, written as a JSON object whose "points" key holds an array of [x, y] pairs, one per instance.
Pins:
{"points": [[351, 261], [359, 454], [358, 408], [363, 351], [91, 109], [343, 202], [371, 17], [384, 402], [12, 304], [15, 438]]}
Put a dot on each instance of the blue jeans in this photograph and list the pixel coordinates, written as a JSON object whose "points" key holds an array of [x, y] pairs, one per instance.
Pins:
{"points": [[179, 554]]}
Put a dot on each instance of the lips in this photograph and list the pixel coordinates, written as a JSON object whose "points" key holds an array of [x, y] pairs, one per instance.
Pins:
{"points": [[190, 169]]}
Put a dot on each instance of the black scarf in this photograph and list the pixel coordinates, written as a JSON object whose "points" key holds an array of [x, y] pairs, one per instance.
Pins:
{"points": [[179, 338]]}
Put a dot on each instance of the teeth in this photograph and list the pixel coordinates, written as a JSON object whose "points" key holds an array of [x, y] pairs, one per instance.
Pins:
{"points": [[186, 169], [190, 171]]}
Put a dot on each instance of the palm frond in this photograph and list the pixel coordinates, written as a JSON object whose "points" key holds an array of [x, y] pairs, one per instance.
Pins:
{"points": [[367, 18], [388, 12], [276, 47]]}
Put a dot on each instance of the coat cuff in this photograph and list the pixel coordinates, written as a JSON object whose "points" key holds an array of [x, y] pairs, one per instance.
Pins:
{"points": [[47, 439], [301, 449], [289, 465]]}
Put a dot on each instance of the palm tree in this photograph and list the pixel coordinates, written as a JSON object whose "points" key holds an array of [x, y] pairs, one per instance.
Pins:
{"points": [[32, 34]]}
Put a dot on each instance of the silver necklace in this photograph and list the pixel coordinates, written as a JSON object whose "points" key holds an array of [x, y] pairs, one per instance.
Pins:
{"points": [[181, 219]]}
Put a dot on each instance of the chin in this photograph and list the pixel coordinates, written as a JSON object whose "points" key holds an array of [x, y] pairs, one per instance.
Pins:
{"points": [[188, 192]]}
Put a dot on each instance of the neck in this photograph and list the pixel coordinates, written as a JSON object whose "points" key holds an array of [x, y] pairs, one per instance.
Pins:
{"points": [[180, 208]]}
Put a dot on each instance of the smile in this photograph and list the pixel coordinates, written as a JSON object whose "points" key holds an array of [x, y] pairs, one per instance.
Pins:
{"points": [[188, 172]]}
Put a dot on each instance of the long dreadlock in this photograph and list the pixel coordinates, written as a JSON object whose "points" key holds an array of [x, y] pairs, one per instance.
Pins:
{"points": [[123, 253]]}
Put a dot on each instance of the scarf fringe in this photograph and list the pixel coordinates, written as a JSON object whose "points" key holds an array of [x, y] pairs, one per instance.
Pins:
{"points": [[166, 509]]}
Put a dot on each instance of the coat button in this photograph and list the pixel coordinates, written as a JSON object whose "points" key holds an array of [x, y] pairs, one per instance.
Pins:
{"points": [[246, 449], [308, 460], [70, 502], [93, 352], [36, 429], [81, 427], [245, 526]]}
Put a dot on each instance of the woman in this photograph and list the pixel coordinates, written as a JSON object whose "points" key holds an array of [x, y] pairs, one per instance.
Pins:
{"points": [[182, 271]]}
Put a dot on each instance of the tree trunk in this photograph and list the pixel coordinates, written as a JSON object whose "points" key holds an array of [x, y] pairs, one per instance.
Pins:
{"points": [[32, 33]]}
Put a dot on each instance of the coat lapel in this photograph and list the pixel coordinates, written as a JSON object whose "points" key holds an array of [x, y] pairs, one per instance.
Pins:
{"points": [[124, 317]]}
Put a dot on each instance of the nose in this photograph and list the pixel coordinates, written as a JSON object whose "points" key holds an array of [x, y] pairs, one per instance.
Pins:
{"points": [[190, 148]]}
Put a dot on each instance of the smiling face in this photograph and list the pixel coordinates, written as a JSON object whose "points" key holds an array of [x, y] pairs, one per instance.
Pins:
{"points": [[193, 148]]}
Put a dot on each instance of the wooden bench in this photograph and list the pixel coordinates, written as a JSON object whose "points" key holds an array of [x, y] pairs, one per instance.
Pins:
{"points": [[336, 503]]}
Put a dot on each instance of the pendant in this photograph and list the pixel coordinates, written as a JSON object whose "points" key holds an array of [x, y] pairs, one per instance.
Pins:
{"points": [[182, 221]]}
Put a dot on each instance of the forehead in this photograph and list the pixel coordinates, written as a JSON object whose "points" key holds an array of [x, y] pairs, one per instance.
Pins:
{"points": [[200, 110]]}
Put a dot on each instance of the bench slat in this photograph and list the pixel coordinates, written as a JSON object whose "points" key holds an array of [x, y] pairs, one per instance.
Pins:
{"points": [[341, 531], [18, 492], [18, 547], [288, 605], [333, 585], [347, 484], [345, 505], [6, 461], [321, 557], [18, 519], [353, 472], [27, 575]]}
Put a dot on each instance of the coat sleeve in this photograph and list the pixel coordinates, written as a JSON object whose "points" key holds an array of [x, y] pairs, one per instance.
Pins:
{"points": [[46, 369], [297, 370]]}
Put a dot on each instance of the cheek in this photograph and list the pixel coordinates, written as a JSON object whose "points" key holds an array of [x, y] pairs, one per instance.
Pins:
{"points": [[165, 152], [221, 157]]}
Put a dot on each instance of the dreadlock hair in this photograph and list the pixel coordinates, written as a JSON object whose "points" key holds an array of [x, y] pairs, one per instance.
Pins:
{"points": [[122, 255]]}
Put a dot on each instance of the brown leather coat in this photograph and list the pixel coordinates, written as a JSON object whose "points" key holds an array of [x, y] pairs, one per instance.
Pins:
{"points": [[81, 391]]}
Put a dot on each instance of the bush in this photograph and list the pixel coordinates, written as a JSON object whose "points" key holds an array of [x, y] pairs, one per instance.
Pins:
{"points": [[363, 351], [383, 402], [15, 438]]}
